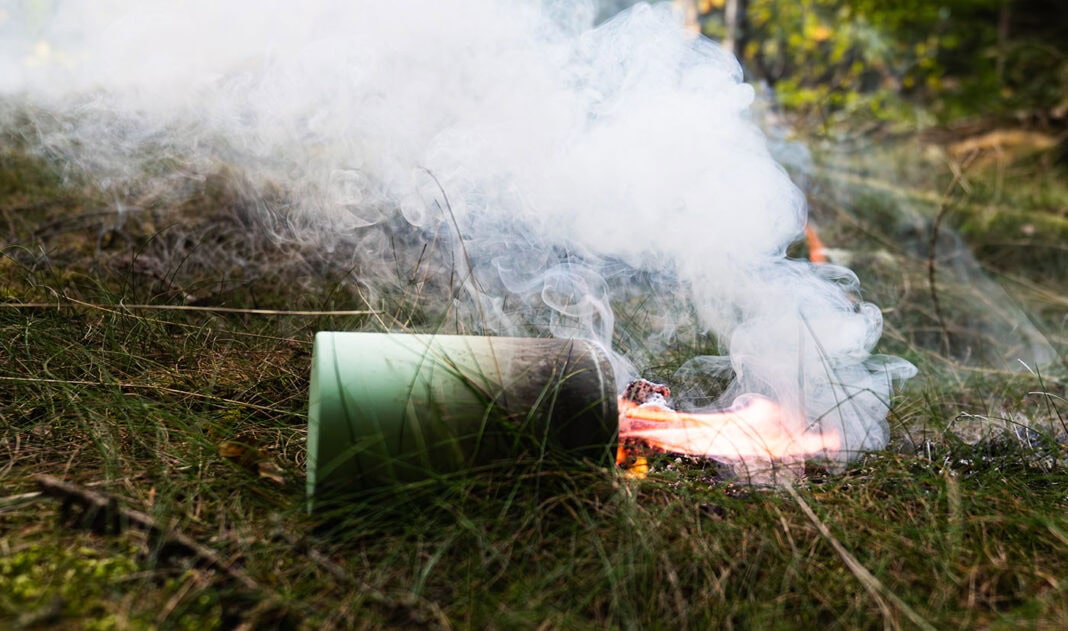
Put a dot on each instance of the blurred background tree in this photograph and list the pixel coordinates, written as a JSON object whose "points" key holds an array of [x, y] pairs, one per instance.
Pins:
{"points": [[894, 61]]}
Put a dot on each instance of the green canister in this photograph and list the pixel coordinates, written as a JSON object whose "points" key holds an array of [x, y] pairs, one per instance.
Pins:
{"points": [[389, 408]]}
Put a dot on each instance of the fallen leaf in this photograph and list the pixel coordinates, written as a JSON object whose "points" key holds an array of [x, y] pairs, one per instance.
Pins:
{"points": [[230, 449]]}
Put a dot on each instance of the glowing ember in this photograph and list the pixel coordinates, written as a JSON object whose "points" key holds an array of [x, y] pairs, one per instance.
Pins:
{"points": [[634, 467], [755, 430]]}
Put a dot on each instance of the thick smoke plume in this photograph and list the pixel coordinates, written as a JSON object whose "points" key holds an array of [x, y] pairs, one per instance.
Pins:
{"points": [[576, 167]]}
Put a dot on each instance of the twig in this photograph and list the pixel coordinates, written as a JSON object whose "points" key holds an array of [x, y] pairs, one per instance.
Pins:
{"points": [[943, 208], [873, 585], [102, 513]]}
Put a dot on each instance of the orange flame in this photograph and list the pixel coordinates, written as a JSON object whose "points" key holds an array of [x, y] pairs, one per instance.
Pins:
{"points": [[754, 429], [817, 252]]}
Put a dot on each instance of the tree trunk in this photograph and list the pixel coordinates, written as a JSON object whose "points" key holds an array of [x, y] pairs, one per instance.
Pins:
{"points": [[1004, 23], [734, 20]]}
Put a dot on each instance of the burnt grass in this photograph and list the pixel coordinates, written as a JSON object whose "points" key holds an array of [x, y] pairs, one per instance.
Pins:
{"points": [[198, 419]]}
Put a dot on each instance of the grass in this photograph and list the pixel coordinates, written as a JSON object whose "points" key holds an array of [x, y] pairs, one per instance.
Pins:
{"points": [[198, 418]]}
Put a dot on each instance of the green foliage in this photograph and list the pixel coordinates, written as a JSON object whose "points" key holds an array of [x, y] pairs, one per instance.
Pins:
{"points": [[881, 59], [43, 583]]}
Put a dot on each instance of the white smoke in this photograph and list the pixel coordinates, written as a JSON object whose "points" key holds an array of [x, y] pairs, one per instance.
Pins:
{"points": [[583, 166]]}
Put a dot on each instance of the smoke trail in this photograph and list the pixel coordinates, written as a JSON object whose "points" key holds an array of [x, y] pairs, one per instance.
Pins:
{"points": [[584, 167]]}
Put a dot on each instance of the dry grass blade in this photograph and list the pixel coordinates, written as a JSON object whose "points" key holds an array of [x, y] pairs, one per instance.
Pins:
{"points": [[18, 498], [148, 386], [873, 585], [194, 308]]}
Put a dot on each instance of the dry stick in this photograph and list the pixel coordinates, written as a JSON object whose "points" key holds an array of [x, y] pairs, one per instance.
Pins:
{"points": [[19, 498], [943, 207], [872, 584], [107, 506]]}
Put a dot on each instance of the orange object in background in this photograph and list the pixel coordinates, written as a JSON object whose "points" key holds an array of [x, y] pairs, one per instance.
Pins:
{"points": [[817, 252]]}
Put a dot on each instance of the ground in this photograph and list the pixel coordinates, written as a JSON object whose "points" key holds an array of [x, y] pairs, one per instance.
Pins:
{"points": [[124, 373]]}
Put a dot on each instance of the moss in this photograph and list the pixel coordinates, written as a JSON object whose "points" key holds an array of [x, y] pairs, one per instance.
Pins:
{"points": [[72, 582], [45, 584]]}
